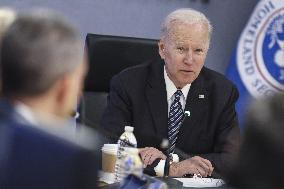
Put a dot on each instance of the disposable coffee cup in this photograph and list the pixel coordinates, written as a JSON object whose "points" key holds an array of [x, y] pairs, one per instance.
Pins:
{"points": [[109, 152]]}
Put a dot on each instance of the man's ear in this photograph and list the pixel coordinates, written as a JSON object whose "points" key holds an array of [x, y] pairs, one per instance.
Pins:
{"points": [[161, 49]]}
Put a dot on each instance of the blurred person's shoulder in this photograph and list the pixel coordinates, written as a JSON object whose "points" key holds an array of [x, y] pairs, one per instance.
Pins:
{"points": [[83, 138]]}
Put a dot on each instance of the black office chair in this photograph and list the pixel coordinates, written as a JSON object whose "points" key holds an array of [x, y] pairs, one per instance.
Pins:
{"points": [[108, 55]]}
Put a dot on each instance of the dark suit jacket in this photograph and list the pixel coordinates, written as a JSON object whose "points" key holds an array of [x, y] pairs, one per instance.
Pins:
{"points": [[138, 97], [34, 157]]}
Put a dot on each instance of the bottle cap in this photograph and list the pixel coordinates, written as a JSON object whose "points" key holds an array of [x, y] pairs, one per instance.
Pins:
{"points": [[128, 128]]}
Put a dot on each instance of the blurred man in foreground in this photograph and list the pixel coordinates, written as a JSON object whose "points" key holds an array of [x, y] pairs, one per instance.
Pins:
{"points": [[154, 98], [260, 163], [43, 71]]}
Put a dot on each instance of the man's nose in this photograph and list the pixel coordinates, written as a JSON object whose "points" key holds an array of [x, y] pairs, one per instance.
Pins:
{"points": [[188, 58]]}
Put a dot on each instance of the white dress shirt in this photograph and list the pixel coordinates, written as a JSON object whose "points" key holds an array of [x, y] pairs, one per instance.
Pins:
{"points": [[26, 113], [40, 119], [171, 89]]}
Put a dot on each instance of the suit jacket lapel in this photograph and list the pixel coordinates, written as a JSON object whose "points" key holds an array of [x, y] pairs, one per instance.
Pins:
{"points": [[157, 98], [197, 104]]}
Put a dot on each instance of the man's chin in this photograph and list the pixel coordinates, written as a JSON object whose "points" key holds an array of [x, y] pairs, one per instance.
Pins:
{"points": [[188, 81]]}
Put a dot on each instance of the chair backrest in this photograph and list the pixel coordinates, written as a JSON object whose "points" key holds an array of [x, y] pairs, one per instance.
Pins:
{"points": [[108, 55]]}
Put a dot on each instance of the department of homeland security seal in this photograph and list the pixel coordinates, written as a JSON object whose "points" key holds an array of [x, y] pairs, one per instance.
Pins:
{"points": [[260, 52]]}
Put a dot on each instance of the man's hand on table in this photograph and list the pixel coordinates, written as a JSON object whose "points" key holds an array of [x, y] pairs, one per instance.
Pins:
{"points": [[150, 154], [195, 165]]}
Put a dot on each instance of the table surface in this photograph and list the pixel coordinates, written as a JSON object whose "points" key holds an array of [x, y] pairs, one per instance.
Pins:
{"points": [[172, 184]]}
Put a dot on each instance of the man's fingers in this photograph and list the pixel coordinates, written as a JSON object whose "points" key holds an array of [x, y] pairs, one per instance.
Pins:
{"points": [[155, 154], [207, 162], [144, 152], [150, 154], [141, 150], [142, 155], [204, 167], [154, 157], [147, 159], [200, 168], [195, 165], [211, 171], [209, 166], [201, 171]]}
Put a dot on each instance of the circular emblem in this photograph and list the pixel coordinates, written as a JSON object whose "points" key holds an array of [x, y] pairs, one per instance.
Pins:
{"points": [[260, 53]]}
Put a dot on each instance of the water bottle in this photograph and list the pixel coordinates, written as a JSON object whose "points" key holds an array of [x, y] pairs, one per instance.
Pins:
{"points": [[127, 139], [132, 163]]}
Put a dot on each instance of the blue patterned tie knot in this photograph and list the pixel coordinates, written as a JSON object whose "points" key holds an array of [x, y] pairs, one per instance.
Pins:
{"points": [[178, 94], [176, 116]]}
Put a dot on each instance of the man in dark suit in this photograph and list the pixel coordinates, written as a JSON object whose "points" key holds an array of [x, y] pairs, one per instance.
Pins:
{"points": [[42, 74], [154, 98], [46, 157]]}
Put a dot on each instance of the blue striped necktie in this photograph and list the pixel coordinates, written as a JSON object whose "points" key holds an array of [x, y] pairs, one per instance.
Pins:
{"points": [[176, 116]]}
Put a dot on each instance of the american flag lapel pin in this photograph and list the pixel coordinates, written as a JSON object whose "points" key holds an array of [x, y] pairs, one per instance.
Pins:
{"points": [[201, 96]]}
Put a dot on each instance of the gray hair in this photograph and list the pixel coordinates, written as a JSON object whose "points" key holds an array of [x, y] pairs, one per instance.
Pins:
{"points": [[38, 49], [186, 16]]}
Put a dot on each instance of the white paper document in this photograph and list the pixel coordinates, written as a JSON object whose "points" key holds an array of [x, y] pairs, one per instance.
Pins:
{"points": [[201, 182]]}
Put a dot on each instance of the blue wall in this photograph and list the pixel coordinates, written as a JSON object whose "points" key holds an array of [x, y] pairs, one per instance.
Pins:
{"points": [[142, 18]]}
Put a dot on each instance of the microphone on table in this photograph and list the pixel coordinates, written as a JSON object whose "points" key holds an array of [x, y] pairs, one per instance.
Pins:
{"points": [[166, 146]]}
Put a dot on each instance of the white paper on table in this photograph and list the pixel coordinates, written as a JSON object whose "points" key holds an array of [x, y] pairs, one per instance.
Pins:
{"points": [[108, 178], [201, 182]]}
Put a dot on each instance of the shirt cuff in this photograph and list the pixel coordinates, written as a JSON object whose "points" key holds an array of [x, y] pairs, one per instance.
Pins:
{"points": [[159, 169]]}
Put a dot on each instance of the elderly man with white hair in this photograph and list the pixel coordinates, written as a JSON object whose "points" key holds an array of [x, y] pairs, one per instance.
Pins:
{"points": [[178, 99]]}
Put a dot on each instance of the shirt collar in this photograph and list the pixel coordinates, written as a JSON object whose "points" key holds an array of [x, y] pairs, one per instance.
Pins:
{"points": [[171, 88], [26, 112], [38, 118]]}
